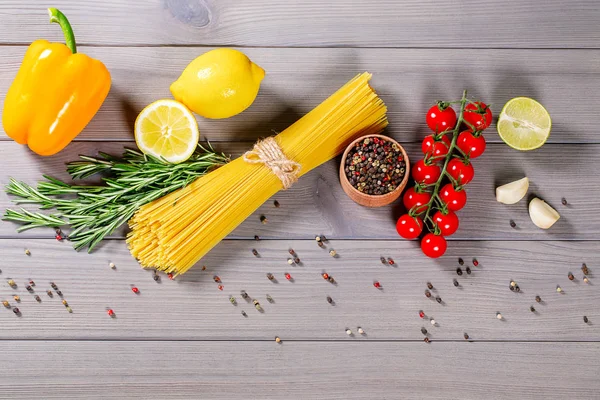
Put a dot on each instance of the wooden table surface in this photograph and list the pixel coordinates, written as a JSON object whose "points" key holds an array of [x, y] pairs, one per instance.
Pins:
{"points": [[183, 338]]}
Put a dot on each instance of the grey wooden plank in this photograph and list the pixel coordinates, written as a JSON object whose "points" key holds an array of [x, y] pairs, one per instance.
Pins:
{"points": [[378, 23], [408, 80], [317, 204], [298, 370], [192, 307]]}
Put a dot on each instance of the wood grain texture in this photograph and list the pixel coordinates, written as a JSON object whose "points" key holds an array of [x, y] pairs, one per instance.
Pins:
{"points": [[408, 80], [292, 370], [192, 307], [317, 203], [378, 23]]}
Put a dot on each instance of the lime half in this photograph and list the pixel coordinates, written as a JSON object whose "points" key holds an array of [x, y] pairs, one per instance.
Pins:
{"points": [[524, 124]]}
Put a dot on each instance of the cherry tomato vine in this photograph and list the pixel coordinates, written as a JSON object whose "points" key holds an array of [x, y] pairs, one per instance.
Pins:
{"points": [[443, 172]]}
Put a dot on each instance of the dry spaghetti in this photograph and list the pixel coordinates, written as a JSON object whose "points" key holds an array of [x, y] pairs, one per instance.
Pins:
{"points": [[176, 231]]}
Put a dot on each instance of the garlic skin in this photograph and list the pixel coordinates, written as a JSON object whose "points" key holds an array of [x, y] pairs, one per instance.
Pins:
{"points": [[512, 192], [541, 214]]}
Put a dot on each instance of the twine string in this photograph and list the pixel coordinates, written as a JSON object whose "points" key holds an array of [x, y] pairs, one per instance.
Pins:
{"points": [[268, 152]]}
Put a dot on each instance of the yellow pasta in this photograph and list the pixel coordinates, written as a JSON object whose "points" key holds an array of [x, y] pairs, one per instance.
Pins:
{"points": [[173, 233]]}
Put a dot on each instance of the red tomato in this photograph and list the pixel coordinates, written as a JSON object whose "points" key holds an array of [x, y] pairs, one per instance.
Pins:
{"points": [[474, 146], [440, 120], [427, 174], [435, 148], [414, 199], [454, 199], [479, 115], [409, 227], [448, 223], [462, 172], [433, 245]]}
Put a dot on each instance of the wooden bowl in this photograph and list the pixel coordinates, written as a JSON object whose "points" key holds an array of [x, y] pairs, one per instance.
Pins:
{"points": [[369, 200]]}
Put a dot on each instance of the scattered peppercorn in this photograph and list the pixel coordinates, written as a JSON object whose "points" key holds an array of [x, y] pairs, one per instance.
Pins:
{"points": [[255, 252], [263, 219], [426, 340], [424, 331], [270, 276], [296, 260], [571, 276], [532, 309], [585, 269], [329, 300], [216, 278], [383, 260], [455, 282], [459, 271], [427, 293], [375, 166], [244, 313], [512, 224], [466, 336], [276, 203], [204, 268], [438, 299], [538, 299], [29, 288], [585, 319], [321, 245], [156, 277], [330, 279], [244, 295], [17, 311], [563, 201], [429, 286], [59, 293], [256, 237], [32, 283], [270, 299], [468, 269], [461, 261], [53, 285], [38, 298], [49, 292]]}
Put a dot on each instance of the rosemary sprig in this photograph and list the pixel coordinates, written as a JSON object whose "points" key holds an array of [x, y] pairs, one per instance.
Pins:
{"points": [[95, 211]]}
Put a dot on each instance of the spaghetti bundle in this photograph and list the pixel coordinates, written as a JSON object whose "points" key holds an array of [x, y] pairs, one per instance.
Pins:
{"points": [[173, 233]]}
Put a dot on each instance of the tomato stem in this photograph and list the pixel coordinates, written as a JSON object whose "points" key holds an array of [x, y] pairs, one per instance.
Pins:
{"points": [[60, 18], [435, 193]]}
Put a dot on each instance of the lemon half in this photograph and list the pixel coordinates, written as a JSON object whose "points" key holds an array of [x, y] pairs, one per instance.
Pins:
{"points": [[168, 130]]}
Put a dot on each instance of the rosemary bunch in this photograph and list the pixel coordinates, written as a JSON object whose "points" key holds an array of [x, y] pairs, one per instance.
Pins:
{"points": [[94, 211]]}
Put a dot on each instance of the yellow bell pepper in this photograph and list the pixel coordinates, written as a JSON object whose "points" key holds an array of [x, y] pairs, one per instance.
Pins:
{"points": [[55, 94]]}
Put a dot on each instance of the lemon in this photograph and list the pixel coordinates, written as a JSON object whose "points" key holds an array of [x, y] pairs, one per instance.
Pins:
{"points": [[219, 84], [167, 129], [524, 124]]}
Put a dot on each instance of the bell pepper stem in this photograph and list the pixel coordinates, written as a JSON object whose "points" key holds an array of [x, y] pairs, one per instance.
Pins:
{"points": [[59, 18]]}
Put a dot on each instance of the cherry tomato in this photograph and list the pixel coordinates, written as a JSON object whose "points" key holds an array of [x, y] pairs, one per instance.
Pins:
{"points": [[435, 148], [454, 199], [412, 198], [433, 245], [476, 116], [472, 145], [461, 171], [409, 227], [448, 223], [440, 120], [427, 174]]}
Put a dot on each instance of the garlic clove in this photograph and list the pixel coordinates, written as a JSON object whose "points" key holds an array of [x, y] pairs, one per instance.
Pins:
{"points": [[541, 214], [512, 192]]}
